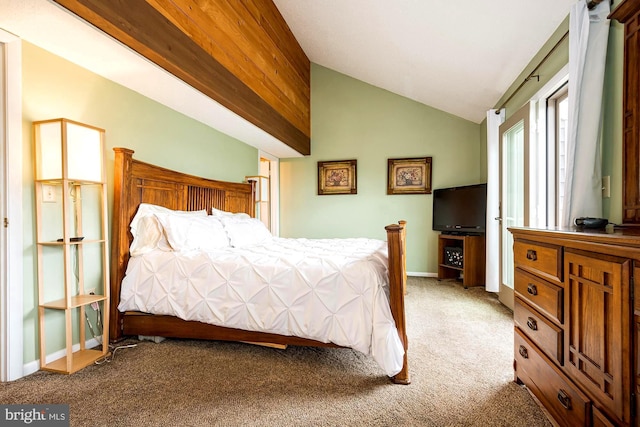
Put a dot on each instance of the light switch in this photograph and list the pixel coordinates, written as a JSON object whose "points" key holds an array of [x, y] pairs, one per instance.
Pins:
{"points": [[48, 193], [606, 186]]}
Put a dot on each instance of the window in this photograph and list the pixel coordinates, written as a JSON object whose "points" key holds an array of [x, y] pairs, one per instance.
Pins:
{"points": [[551, 116], [560, 110], [556, 129]]}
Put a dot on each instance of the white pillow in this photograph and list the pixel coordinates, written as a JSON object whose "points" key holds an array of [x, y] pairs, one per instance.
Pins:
{"points": [[146, 209], [219, 213], [245, 231], [147, 232], [149, 236], [193, 232]]}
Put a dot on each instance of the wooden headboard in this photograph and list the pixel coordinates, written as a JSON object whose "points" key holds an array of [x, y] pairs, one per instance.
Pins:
{"points": [[137, 182]]}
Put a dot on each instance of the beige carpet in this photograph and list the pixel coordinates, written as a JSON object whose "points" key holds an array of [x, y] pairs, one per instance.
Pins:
{"points": [[460, 358]]}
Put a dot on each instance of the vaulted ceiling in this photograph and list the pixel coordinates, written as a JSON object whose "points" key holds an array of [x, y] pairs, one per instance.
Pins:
{"points": [[458, 56]]}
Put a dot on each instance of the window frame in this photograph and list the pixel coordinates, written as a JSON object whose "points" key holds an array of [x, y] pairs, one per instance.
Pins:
{"points": [[554, 149], [545, 130]]}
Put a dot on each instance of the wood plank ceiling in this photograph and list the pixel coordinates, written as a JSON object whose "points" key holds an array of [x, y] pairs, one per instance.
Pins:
{"points": [[241, 54]]}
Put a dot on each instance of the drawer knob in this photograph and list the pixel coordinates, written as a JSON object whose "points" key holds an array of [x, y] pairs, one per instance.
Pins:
{"points": [[532, 255], [523, 352], [532, 324], [532, 289], [564, 399]]}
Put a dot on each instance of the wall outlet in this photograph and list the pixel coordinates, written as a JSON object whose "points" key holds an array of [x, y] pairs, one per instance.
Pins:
{"points": [[48, 193], [91, 291]]}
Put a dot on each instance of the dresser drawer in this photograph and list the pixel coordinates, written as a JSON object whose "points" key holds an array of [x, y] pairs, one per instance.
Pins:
{"points": [[542, 259], [545, 297], [600, 419], [547, 336], [566, 403]]}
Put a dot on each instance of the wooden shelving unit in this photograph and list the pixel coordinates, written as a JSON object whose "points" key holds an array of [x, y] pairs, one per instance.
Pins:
{"points": [[472, 270], [71, 240]]}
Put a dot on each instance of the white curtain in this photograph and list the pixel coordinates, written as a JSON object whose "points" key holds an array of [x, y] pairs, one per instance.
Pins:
{"points": [[588, 37], [493, 200]]}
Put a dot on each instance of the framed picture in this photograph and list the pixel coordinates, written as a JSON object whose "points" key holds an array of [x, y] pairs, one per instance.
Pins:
{"points": [[409, 176], [337, 177]]}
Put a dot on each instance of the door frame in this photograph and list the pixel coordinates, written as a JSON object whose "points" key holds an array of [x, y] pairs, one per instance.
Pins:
{"points": [[274, 192], [505, 294], [11, 238]]}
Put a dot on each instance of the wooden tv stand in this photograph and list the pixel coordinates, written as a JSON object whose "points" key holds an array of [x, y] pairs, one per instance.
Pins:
{"points": [[473, 259]]}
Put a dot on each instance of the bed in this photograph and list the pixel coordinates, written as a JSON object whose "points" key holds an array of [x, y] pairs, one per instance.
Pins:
{"points": [[379, 330]]}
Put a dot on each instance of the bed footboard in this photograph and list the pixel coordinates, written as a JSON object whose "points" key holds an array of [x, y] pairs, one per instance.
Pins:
{"points": [[397, 288]]}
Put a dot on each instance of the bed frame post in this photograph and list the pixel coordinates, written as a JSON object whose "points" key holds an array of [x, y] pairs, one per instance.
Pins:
{"points": [[403, 223], [396, 234], [119, 235]]}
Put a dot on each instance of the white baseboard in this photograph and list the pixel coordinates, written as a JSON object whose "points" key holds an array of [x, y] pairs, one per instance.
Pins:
{"points": [[421, 274], [30, 368]]}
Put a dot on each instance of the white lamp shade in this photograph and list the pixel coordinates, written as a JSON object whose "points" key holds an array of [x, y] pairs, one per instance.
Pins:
{"points": [[84, 153], [48, 150], [70, 150]]}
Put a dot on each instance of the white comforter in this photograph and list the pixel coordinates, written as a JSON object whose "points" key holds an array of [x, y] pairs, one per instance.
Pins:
{"points": [[329, 290]]}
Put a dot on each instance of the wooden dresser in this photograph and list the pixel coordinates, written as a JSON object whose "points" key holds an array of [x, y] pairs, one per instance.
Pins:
{"points": [[576, 325]]}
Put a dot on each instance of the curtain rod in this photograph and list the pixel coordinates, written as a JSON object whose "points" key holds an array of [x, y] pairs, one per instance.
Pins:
{"points": [[532, 74], [590, 5]]}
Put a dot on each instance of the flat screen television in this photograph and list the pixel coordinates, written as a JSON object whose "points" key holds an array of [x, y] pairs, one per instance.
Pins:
{"points": [[460, 210]]}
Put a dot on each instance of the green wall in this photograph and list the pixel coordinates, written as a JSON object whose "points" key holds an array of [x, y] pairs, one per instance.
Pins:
{"points": [[353, 120], [54, 87]]}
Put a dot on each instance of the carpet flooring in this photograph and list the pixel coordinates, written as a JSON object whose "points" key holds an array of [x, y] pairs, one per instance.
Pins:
{"points": [[460, 361]]}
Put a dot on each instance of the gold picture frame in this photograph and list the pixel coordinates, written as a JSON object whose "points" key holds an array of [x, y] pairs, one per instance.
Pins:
{"points": [[409, 176], [337, 177]]}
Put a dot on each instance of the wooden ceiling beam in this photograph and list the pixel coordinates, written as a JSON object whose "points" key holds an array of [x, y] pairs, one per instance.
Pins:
{"points": [[241, 54]]}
